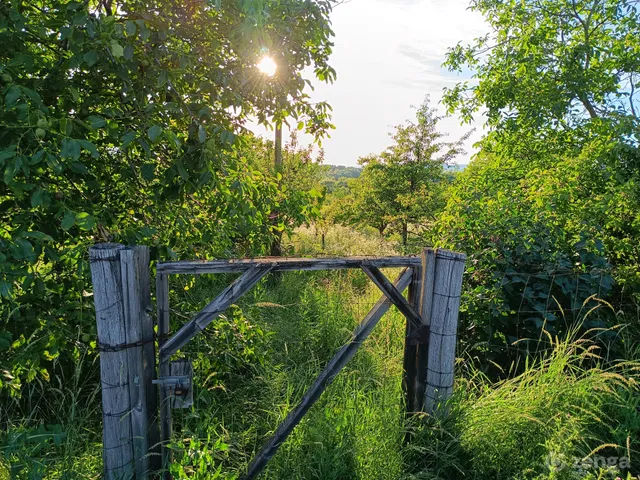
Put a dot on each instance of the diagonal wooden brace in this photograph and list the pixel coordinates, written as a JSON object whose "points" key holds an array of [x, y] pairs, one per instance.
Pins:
{"points": [[229, 295], [332, 369], [392, 294]]}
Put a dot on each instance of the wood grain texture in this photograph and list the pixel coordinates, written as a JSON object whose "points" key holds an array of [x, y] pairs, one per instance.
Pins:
{"points": [[279, 264], [182, 367], [409, 371], [424, 304], [106, 276], [229, 295], [136, 295], [449, 270], [325, 378]]}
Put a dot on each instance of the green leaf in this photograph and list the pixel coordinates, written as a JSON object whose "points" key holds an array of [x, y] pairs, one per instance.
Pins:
{"points": [[228, 137], [128, 52], [79, 167], [12, 96], [75, 94], [68, 220], [90, 147], [91, 58], [182, 171], [23, 250], [85, 221], [127, 138], [6, 154], [130, 28], [5, 337], [5, 291], [116, 49], [72, 149], [37, 198], [38, 236], [148, 171], [11, 169], [96, 121], [154, 133], [202, 134]]}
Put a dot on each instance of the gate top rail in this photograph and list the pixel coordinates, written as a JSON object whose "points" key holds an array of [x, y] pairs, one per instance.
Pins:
{"points": [[279, 264]]}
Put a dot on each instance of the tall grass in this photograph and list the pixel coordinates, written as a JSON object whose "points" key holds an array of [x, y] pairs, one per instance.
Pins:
{"points": [[55, 431]]}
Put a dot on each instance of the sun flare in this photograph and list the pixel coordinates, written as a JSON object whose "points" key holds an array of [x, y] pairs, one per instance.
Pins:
{"points": [[267, 66]]}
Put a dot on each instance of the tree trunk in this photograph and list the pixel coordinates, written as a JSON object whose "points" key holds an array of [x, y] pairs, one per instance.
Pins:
{"points": [[405, 234], [276, 245], [276, 242]]}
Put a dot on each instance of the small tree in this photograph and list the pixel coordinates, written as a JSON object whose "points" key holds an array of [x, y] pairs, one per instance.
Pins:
{"points": [[405, 184]]}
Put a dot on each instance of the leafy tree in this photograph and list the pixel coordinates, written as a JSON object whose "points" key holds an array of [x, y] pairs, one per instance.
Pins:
{"points": [[372, 195], [120, 121], [551, 74], [337, 177], [404, 185], [535, 247], [299, 192]]}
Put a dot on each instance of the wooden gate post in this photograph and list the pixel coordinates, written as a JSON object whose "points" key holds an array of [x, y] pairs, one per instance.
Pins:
{"points": [[122, 298], [448, 269]]}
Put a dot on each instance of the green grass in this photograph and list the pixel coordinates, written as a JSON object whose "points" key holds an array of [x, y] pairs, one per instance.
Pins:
{"points": [[253, 366]]}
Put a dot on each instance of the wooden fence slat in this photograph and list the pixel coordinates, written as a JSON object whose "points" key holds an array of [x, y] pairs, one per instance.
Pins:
{"points": [[424, 304], [325, 378], [280, 264], [106, 275], [409, 371], [449, 270], [229, 295]]}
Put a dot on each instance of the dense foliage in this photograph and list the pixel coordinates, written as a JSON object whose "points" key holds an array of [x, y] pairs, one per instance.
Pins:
{"points": [[549, 209], [120, 122]]}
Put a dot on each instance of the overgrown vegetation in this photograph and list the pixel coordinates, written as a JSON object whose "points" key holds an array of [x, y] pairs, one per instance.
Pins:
{"points": [[125, 121]]}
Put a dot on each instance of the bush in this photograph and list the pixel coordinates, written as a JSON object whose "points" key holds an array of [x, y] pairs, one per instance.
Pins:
{"points": [[541, 243]]}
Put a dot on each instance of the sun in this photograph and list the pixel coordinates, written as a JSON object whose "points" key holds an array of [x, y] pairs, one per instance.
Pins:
{"points": [[268, 66]]}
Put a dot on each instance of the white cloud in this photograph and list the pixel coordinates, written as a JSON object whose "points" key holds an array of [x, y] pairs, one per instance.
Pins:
{"points": [[387, 55]]}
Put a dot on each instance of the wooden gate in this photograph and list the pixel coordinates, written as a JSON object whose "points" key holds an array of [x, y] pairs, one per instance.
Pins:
{"points": [[125, 334]]}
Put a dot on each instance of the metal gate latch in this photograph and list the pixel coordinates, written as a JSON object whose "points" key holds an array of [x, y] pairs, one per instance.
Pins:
{"points": [[179, 389]]}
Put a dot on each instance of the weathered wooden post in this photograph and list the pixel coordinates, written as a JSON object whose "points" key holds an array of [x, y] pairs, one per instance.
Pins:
{"points": [[429, 353], [122, 298], [442, 317], [411, 338]]}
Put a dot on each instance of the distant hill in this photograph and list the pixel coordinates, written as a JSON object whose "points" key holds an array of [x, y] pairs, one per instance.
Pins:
{"points": [[455, 167], [337, 176]]}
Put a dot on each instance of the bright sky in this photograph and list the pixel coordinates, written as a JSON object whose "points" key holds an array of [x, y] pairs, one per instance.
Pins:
{"points": [[387, 56]]}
